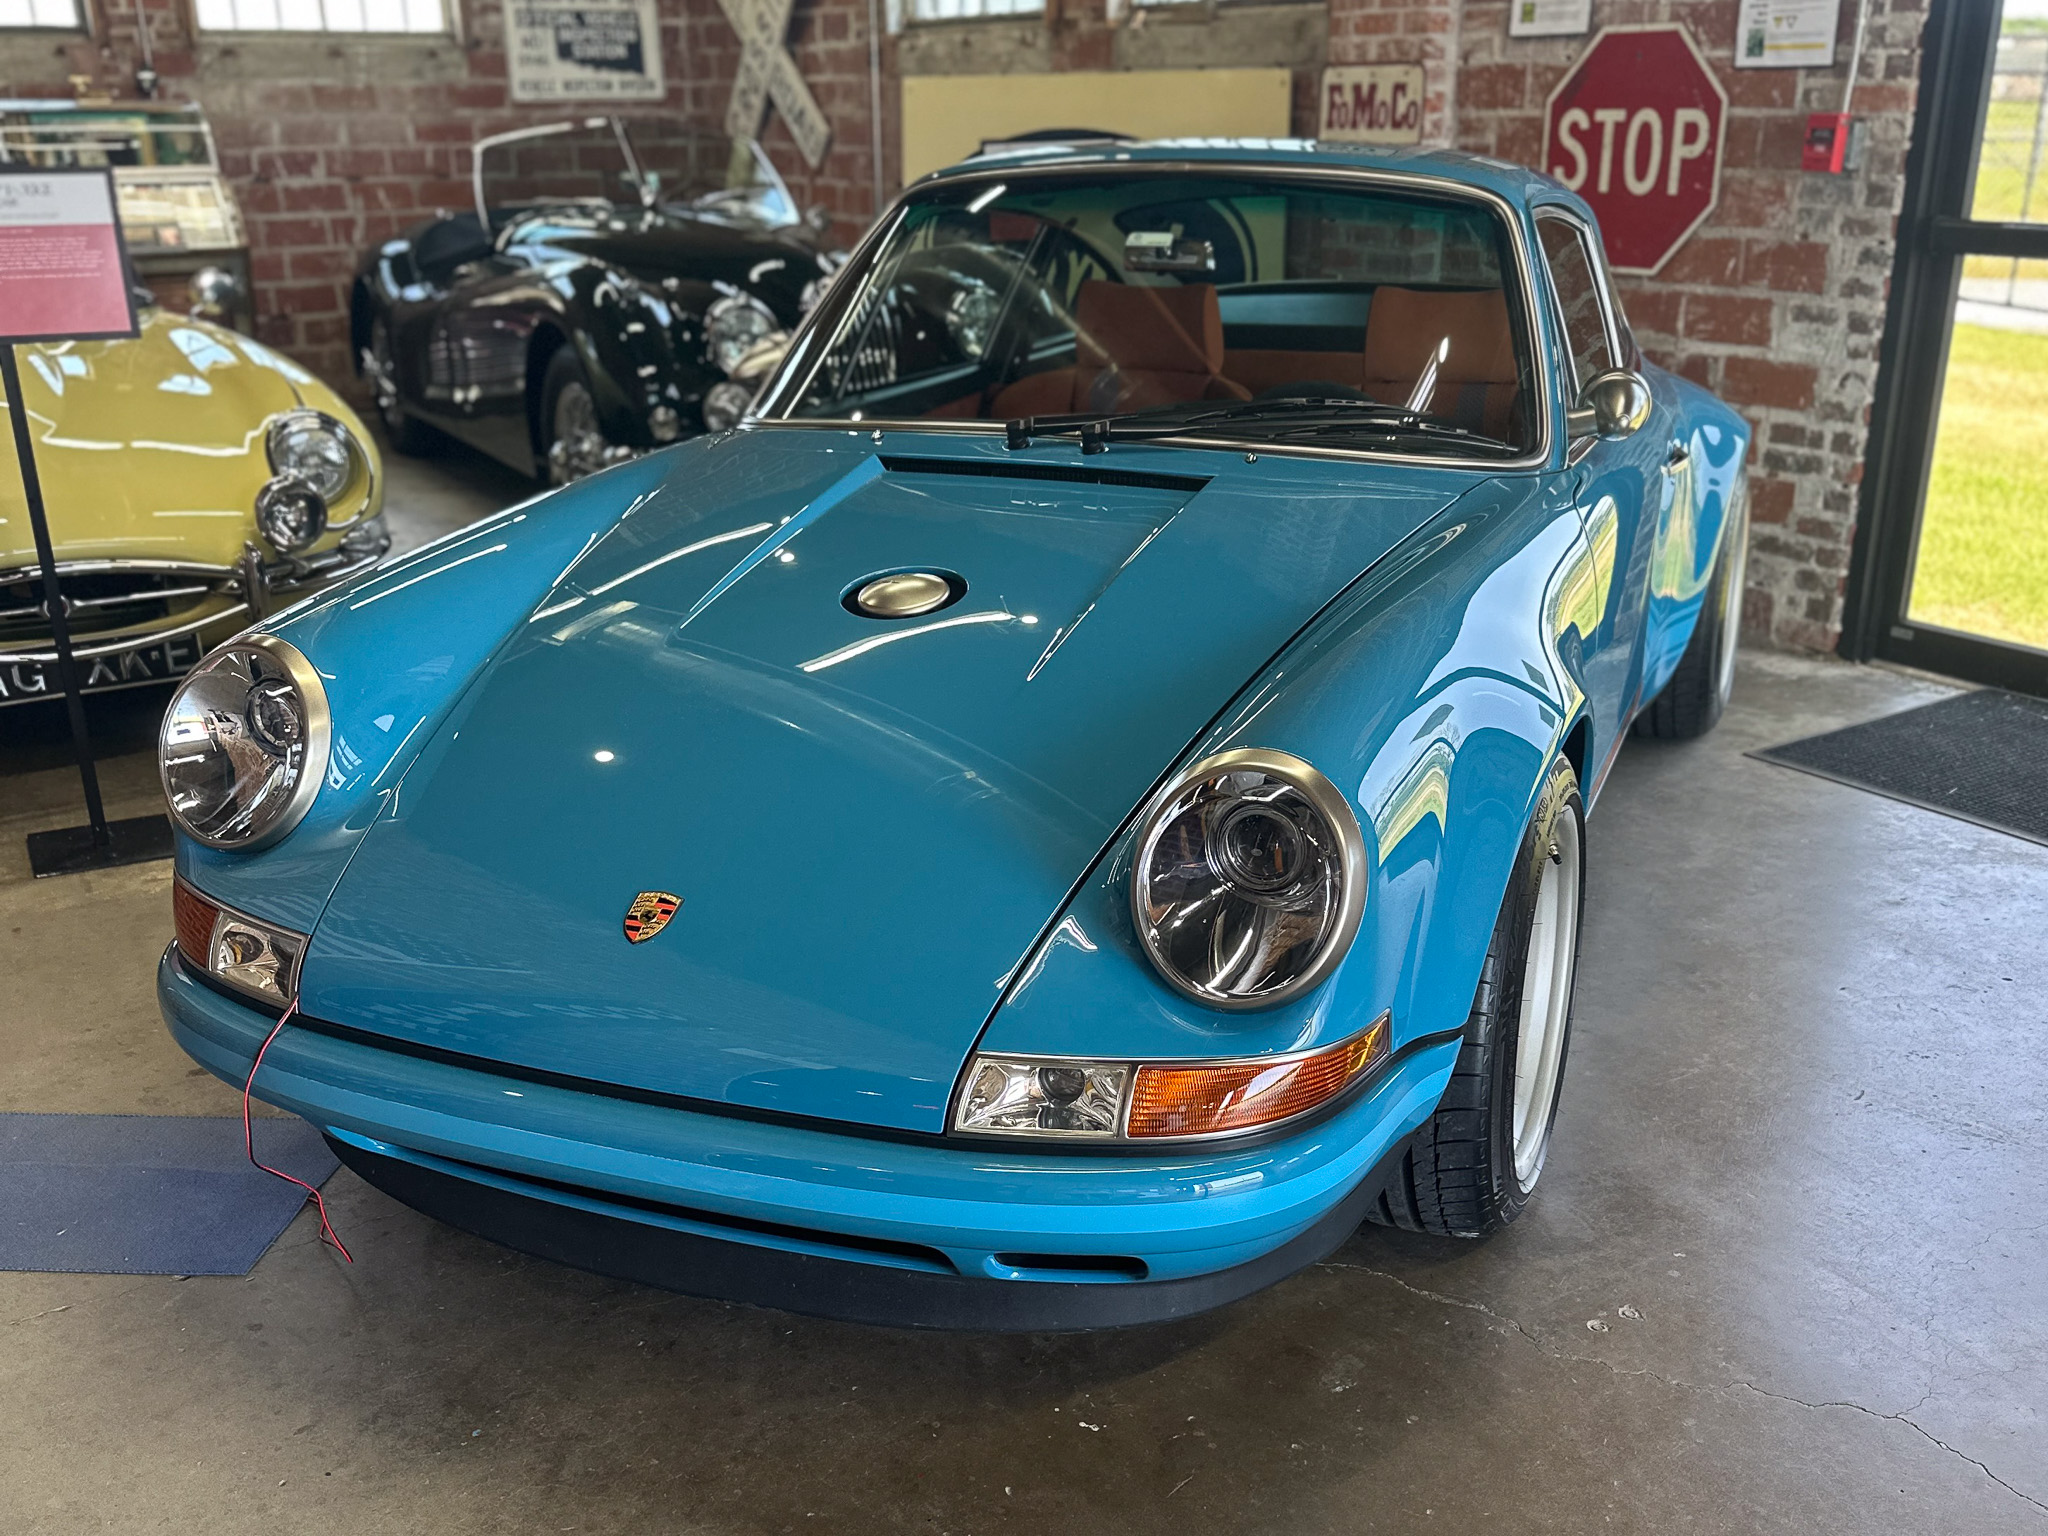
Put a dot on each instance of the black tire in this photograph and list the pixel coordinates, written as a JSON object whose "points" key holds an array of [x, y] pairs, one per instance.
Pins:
{"points": [[379, 366], [1458, 1176], [567, 457], [1691, 703]]}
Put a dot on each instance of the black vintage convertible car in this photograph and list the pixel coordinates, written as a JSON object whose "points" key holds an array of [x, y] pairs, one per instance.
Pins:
{"points": [[601, 299]]}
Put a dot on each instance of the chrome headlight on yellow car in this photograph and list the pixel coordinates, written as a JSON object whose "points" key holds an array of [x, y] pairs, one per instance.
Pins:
{"points": [[1249, 879], [243, 746], [315, 463]]}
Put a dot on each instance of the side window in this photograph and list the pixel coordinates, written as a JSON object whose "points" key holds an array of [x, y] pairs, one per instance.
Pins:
{"points": [[1578, 294]]}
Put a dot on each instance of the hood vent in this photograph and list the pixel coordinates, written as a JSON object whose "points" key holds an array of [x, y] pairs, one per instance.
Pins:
{"points": [[1072, 474]]}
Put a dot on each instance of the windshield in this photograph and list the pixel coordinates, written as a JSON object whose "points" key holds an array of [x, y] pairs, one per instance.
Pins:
{"points": [[632, 163], [1232, 304]]}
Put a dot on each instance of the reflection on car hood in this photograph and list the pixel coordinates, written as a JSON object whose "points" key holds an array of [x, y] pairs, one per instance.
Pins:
{"points": [[654, 246], [866, 822], [152, 447]]}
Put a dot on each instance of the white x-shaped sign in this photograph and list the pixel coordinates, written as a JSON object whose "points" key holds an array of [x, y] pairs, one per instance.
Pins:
{"points": [[767, 71]]}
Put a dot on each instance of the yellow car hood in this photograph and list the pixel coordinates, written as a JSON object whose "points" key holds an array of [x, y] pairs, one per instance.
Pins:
{"points": [[153, 448]]}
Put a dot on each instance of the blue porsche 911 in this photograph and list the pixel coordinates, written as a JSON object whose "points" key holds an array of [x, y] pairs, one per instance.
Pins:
{"points": [[1071, 806]]}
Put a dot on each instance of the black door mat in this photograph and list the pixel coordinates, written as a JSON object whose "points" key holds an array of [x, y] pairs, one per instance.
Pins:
{"points": [[1980, 756]]}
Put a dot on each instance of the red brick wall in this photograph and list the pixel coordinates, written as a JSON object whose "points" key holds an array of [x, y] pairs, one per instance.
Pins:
{"points": [[335, 143]]}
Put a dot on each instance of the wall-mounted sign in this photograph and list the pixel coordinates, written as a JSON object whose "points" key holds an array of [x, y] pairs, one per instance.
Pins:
{"points": [[1786, 34], [767, 73], [1635, 129], [63, 276], [1549, 18], [1372, 104], [594, 50]]}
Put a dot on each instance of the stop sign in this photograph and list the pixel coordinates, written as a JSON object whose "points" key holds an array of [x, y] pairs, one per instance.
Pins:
{"points": [[1635, 129]]}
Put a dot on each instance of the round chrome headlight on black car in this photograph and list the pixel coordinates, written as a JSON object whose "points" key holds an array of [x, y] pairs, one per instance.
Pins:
{"points": [[243, 746], [1249, 879], [313, 448], [734, 325]]}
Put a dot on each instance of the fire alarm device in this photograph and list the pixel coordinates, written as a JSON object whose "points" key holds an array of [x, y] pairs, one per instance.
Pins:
{"points": [[1827, 142]]}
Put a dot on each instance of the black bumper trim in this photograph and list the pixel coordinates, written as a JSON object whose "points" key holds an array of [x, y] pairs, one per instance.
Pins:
{"points": [[844, 1289]]}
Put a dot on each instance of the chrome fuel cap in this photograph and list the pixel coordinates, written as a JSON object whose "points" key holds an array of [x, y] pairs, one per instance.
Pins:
{"points": [[905, 594]]}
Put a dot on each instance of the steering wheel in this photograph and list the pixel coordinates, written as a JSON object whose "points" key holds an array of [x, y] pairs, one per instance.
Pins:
{"points": [[1312, 389]]}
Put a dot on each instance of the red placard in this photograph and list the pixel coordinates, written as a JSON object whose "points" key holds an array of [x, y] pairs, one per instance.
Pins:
{"points": [[1635, 129], [63, 270]]}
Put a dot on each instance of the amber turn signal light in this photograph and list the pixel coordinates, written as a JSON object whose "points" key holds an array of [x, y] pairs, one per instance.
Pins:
{"points": [[195, 917], [1204, 1101]]}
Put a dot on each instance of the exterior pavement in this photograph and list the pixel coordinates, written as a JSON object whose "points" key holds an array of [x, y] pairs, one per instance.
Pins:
{"points": [[1787, 1272]]}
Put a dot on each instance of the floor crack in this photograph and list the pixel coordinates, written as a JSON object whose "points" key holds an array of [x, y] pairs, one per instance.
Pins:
{"points": [[1677, 1384]]}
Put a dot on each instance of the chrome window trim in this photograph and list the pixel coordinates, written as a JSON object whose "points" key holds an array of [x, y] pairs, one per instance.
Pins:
{"points": [[1334, 808], [1132, 1065], [808, 352], [319, 735]]}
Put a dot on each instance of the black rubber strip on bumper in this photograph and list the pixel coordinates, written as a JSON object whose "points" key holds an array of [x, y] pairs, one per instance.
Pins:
{"points": [[844, 1289]]}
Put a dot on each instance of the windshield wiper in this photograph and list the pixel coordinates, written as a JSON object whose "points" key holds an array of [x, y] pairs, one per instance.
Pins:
{"points": [[1293, 415]]}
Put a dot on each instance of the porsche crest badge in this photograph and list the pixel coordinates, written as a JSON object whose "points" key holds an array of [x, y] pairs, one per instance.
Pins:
{"points": [[649, 914]]}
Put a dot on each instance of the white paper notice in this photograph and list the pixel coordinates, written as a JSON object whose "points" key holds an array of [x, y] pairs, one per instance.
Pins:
{"points": [[593, 50], [1549, 18], [1786, 34]]}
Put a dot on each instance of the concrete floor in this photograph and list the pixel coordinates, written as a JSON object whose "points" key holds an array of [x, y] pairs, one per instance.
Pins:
{"points": [[1788, 1271]]}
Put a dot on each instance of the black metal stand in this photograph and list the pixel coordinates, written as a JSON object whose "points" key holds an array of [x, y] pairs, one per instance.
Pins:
{"points": [[96, 845]]}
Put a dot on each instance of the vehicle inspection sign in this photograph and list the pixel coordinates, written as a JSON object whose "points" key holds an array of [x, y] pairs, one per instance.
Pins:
{"points": [[1636, 129], [603, 50], [63, 275]]}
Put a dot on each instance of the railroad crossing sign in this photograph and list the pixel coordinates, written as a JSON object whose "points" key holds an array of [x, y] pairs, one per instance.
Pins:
{"points": [[767, 72], [1635, 129]]}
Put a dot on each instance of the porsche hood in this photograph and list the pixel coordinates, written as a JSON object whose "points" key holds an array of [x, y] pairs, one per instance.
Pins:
{"points": [[843, 832]]}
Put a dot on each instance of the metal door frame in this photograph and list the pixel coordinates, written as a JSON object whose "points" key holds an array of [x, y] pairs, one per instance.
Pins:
{"points": [[1959, 49]]}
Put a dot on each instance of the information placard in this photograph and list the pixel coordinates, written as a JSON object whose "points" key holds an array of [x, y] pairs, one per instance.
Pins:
{"points": [[1372, 104], [1550, 18], [63, 272], [594, 50], [1786, 34]]}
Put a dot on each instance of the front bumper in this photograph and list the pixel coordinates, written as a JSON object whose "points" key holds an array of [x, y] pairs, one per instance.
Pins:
{"points": [[906, 1232]]}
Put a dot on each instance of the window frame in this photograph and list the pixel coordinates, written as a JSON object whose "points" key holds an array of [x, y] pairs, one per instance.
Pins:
{"points": [[81, 22], [1620, 344], [450, 28]]}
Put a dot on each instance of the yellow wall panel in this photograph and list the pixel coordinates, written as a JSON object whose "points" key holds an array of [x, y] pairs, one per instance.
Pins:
{"points": [[946, 117]]}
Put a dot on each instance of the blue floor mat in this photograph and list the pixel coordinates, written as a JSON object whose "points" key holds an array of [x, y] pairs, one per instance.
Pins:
{"points": [[148, 1194]]}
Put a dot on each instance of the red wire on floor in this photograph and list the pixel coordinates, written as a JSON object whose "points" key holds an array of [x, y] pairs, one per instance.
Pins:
{"points": [[327, 1232]]}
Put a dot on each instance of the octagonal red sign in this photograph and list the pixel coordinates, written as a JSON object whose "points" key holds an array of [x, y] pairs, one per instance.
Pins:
{"points": [[1635, 129]]}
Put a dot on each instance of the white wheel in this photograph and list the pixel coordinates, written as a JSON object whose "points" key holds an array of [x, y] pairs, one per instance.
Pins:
{"points": [[1546, 999]]}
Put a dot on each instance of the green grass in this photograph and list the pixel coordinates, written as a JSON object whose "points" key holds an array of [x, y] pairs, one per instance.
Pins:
{"points": [[1983, 561], [2003, 159]]}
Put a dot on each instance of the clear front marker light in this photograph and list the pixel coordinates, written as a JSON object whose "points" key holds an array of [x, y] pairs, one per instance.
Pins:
{"points": [[243, 746], [1036, 1098]]}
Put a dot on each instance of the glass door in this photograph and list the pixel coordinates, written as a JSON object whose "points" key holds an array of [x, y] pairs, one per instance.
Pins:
{"points": [[1952, 568]]}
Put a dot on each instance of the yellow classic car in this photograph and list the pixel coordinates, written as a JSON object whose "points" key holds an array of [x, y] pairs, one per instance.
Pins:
{"points": [[195, 480]]}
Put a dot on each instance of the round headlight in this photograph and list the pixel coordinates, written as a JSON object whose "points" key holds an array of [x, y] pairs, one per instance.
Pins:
{"points": [[314, 448], [733, 325], [1249, 880], [243, 746]]}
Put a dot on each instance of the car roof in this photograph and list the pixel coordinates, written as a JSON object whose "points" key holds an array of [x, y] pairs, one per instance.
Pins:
{"points": [[1517, 183]]}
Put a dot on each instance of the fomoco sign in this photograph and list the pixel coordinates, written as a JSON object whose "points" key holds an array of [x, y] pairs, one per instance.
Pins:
{"points": [[1635, 129]]}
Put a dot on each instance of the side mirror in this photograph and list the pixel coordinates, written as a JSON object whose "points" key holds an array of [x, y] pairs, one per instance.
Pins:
{"points": [[214, 294], [1613, 405], [818, 219]]}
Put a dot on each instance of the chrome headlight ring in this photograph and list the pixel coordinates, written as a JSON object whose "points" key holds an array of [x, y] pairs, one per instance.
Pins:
{"points": [[733, 325], [1248, 883], [313, 448], [244, 744]]}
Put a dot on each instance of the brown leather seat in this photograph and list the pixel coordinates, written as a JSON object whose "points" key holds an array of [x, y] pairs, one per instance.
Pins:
{"points": [[1134, 347], [1476, 382]]}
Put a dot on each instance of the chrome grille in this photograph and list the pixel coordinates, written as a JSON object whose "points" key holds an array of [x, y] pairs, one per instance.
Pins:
{"points": [[99, 600]]}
